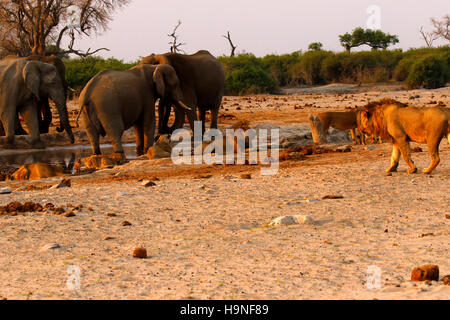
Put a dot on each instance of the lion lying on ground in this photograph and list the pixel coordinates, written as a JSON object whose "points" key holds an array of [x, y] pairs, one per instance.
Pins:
{"points": [[342, 121], [37, 171], [400, 124]]}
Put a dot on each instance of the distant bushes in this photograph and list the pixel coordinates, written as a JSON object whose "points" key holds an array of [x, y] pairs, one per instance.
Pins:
{"points": [[79, 71], [247, 74]]}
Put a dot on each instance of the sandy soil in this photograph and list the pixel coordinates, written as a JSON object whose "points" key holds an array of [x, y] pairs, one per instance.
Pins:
{"points": [[205, 228]]}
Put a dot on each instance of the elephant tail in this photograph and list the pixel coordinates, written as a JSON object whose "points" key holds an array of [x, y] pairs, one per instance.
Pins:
{"points": [[79, 114]]}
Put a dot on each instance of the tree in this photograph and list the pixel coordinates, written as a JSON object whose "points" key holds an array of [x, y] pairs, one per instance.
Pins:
{"points": [[233, 47], [315, 46], [376, 39], [441, 28], [174, 46], [31, 26], [428, 37]]}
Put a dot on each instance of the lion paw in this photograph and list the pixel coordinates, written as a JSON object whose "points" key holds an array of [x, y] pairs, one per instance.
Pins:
{"points": [[412, 171]]}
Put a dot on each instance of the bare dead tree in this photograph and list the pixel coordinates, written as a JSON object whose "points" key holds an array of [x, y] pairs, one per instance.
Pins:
{"points": [[233, 47], [428, 37], [34, 25], [174, 46], [441, 28]]}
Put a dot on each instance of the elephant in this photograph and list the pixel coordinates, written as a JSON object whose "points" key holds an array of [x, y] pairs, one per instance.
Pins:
{"points": [[45, 114], [22, 84], [114, 101], [202, 81]]}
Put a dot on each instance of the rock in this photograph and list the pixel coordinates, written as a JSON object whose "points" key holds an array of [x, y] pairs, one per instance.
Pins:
{"points": [[126, 224], [425, 272], [140, 253], [69, 214], [161, 149], [147, 183], [246, 176], [6, 190], [50, 246], [447, 216], [332, 197], [111, 214], [446, 280], [291, 220], [37, 171], [65, 183]]}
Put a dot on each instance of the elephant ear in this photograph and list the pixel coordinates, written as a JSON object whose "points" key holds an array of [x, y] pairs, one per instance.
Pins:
{"points": [[32, 77], [158, 79]]}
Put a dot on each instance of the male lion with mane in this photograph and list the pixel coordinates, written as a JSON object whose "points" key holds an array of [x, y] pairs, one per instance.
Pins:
{"points": [[400, 124]]}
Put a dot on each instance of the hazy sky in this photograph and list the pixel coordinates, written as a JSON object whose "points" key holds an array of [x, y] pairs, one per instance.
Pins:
{"points": [[257, 26]]}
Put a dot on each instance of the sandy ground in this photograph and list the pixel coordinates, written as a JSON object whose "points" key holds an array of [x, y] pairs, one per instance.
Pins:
{"points": [[205, 228]]}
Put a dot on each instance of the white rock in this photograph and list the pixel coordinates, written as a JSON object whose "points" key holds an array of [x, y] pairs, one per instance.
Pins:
{"points": [[6, 190], [50, 246], [291, 220]]}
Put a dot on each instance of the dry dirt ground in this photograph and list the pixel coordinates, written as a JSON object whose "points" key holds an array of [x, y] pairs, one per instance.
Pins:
{"points": [[205, 227]]}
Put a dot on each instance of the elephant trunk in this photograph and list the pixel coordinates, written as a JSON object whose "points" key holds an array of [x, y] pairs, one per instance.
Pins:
{"points": [[59, 99]]}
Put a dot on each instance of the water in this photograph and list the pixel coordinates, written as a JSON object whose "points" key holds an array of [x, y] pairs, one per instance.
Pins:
{"points": [[65, 156]]}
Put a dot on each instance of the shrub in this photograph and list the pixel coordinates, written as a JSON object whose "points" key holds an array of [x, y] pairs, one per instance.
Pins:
{"points": [[250, 79], [311, 66], [429, 72]]}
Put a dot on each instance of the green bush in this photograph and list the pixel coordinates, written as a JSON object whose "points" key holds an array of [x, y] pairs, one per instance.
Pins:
{"points": [[311, 65], [429, 72], [249, 80], [79, 71]]}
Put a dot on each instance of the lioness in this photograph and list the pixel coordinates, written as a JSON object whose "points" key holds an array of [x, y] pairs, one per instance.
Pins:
{"points": [[400, 124], [345, 120]]}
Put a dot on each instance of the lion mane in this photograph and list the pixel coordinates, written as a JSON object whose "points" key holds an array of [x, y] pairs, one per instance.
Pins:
{"points": [[377, 125]]}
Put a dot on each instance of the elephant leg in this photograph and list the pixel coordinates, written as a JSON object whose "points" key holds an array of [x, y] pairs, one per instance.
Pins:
{"points": [[202, 113], [30, 116], [45, 116], [19, 130], [114, 128], [139, 133], [180, 116], [8, 126], [93, 135], [215, 112]]}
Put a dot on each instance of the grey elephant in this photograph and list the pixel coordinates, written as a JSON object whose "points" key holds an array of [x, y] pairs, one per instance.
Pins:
{"points": [[203, 84], [114, 101], [44, 111], [22, 83]]}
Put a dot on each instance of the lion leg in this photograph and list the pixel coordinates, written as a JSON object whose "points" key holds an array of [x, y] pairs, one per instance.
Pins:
{"points": [[433, 149], [406, 153], [395, 158], [354, 137]]}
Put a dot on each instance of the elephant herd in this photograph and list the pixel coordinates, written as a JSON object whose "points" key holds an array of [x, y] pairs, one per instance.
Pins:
{"points": [[112, 101]]}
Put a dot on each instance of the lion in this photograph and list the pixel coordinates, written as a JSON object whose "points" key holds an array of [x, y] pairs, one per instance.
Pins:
{"points": [[399, 124], [97, 162], [447, 111], [345, 120], [37, 171]]}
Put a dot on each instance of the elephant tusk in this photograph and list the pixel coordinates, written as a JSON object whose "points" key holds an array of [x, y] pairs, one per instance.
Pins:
{"points": [[185, 107]]}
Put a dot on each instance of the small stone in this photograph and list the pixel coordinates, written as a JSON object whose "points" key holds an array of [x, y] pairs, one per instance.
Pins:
{"points": [[69, 214], [109, 238], [6, 190], [246, 176], [332, 197], [65, 183], [425, 272], [126, 224], [50, 246], [148, 183], [446, 280], [111, 214], [291, 220], [447, 216], [140, 253]]}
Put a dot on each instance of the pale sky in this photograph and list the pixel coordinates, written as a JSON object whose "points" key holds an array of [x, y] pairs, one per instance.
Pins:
{"points": [[257, 26]]}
